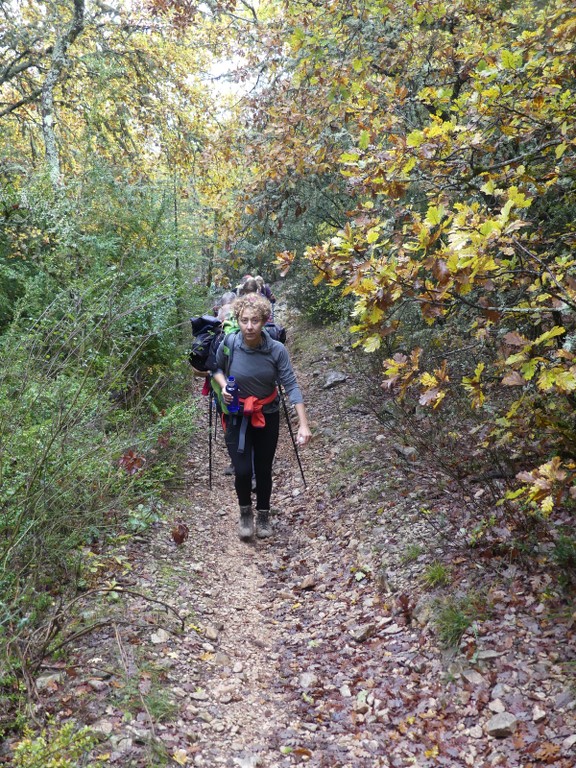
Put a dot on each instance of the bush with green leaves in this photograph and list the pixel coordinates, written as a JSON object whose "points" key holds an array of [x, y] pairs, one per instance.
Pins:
{"points": [[564, 556], [93, 371], [322, 303], [65, 747], [60, 428]]}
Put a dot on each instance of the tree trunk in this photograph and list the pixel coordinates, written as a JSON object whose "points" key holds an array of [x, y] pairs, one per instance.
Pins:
{"points": [[61, 46]]}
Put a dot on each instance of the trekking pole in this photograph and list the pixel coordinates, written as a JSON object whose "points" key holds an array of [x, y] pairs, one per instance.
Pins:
{"points": [[291, 433], [210, 406]]}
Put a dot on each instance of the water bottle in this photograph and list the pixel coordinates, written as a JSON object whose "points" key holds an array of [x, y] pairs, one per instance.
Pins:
{"points": [[232, 388]]}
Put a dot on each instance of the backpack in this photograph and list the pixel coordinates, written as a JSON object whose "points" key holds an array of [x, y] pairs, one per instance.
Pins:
{"points": [[205, 329], [277, 332]]}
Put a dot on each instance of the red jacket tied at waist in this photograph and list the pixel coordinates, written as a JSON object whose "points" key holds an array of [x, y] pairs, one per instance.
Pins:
{"points": [[252, 407]]}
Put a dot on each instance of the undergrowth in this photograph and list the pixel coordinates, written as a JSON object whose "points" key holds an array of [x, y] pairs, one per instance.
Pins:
{"points": [[453, 615], [65, 746], [95, 402]]}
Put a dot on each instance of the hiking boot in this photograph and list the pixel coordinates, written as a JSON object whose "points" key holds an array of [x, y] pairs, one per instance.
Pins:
{"points": [[263, 527], [229, 470], [246, 528]]}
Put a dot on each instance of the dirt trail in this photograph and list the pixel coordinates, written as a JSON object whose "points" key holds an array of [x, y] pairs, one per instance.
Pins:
{"points": [[298, 649], [278, 622], [242, 708]]}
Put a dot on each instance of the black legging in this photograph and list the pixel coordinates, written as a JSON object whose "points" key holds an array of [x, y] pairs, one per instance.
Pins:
{"points": [[261, 444]]}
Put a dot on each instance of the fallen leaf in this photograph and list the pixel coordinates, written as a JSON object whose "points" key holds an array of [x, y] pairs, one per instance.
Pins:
{"points": [[548, 752], [180, 757], [308, 582], [180, 532], [145, 685]]}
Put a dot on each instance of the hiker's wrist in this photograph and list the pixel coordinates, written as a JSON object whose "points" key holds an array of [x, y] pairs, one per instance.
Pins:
{"points": [[304, 434]]}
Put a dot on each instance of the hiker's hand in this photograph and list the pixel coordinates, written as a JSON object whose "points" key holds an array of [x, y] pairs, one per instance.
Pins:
{"points": [[304, 435], [226, 396]]}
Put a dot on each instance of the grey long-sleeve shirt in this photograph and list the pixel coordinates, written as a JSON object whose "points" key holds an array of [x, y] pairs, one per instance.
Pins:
{"points": [[258, 370]]}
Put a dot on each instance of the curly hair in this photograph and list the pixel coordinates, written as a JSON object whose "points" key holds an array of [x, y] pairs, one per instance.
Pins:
{"points": [[255, 302]]}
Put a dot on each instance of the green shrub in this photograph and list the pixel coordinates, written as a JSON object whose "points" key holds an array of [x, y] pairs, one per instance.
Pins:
{"points": [[63, 747], [322, 304], [93, 368], [564, 555]]}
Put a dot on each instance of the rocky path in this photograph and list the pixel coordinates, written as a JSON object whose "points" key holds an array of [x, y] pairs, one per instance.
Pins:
{"points": [[318, 646]]}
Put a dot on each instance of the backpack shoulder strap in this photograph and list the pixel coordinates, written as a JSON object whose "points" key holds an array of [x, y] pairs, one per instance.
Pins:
{"points": [[229, 345]]}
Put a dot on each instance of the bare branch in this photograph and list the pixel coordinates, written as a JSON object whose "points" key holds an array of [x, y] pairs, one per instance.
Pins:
{"points": [[14, 68], [250, 8], [27, 100]]}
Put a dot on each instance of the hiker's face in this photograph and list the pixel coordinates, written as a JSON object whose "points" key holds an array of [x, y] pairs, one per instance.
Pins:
{"points": [[251, 325]]}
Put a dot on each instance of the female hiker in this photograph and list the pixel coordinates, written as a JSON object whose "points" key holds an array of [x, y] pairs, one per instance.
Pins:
{"points": [[257, 363]]}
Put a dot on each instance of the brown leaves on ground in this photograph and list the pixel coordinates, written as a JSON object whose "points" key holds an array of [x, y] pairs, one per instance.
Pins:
{"points": [[180, 532]]}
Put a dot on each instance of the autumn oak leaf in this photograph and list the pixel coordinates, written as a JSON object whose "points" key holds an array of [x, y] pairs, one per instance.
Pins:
{"points": [[180, 533], [513, 379], [514, 339]]}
